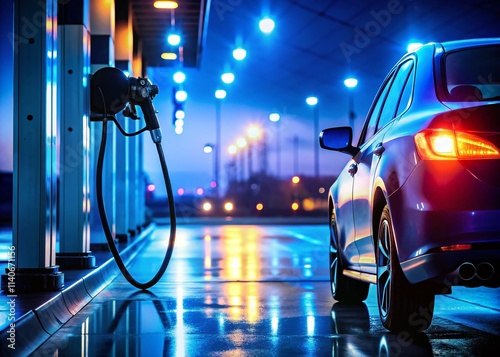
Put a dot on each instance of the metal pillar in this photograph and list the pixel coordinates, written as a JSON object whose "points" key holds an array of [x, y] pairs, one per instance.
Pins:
{"points": [[102, 55], [74, 200], [123, 55], [35, 120]]}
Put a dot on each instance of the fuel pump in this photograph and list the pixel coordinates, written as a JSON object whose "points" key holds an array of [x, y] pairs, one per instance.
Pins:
{"points": [[111, 92]]}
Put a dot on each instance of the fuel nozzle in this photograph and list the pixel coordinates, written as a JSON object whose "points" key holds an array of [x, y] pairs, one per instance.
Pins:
{"points": [[112, 91], [142, 92]]}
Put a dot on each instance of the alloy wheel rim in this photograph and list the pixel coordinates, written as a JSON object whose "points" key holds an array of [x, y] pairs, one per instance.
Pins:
{"points": [[384, 274]]}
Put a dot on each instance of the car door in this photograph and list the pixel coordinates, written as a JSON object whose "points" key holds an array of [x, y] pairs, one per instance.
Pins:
{"points": [[364, 164]]}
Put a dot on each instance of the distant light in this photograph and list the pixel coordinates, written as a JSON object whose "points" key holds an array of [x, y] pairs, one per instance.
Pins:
{"points": [[321, 190], [274, 117], [179, 130], [239, 54], [413, 46], [174, 39], [253, 132], [295, 206], [169, 56], [220, 94], [213, 184], [166, 5], [180, 114], [151, 187], [207, 149], [200, 191], [259, 207], [179, 77], [228, 206], [228, 78], [232, 149], [312, 100], [241, 142], [296, 179], [351, 82], [207, 206], [266, 25], [180, 191], [181, 95]]}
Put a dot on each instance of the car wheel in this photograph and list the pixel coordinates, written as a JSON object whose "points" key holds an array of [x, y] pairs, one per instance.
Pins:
{"points": [[401, 305], [343, 288]]}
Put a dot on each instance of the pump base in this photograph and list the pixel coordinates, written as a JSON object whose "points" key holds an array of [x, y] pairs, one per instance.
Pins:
{"points": [[25, 280], [75, 260]]}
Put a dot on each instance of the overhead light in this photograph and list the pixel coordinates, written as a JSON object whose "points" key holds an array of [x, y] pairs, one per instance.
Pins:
{"points": [[266, 25], [351, 82], [312, 100], [274, 117], [181, 95], [413, 46], [239, 54], [220, 94], [179, 77], [169, 5], [174, 39], [228, 78], [169, 56]]}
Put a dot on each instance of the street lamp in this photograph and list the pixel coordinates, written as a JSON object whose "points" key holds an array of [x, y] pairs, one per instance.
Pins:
{"points": [[351, 83], [227, 78], [266, 25], [313, 102], [239, 54], [209, 149], [275, 118]]}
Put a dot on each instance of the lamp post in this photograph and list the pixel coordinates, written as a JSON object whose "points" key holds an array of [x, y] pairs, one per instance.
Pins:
{"points": [[351, 83], [275, 117], [209, 149], [313, 102], [220, 94]]}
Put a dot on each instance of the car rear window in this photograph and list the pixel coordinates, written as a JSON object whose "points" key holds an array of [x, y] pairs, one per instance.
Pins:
{"points": [[473, 74]]}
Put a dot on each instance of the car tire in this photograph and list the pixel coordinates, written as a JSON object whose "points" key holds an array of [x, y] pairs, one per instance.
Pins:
{"points": [[343, 288], [401, 305]]}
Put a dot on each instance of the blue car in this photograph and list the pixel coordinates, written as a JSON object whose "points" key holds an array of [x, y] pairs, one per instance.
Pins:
{"points": [[416, 210]]}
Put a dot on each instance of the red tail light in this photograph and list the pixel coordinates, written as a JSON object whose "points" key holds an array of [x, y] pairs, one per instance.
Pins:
{"points": [[445, 144]]}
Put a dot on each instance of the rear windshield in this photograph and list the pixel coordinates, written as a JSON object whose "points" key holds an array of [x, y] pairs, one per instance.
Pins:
{"points": [[473, 74]]}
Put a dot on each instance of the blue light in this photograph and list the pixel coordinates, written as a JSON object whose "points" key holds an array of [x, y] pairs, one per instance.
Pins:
{"points": [[174, 39], [351, 82], [181, 95], [220, 94], [239, 54], [179, 77], [266, 25], [227, 78], [312, 100]]}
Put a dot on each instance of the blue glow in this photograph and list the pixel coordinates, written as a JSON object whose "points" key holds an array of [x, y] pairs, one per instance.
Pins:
{"points": [[312, 100], [239, 54], [228, 78], [179, 77], [174, 39], [181, 95], [266, 25], [220, 94]]}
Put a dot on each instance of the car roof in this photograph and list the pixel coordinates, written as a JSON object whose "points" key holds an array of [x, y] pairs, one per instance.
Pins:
{"points": [[455, 45]]}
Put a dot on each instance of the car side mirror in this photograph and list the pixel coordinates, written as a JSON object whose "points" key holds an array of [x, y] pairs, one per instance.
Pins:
{"points": [[338, 139]]}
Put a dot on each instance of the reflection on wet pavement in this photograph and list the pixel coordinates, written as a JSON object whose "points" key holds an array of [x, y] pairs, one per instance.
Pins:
{"points": [[247, 291]]}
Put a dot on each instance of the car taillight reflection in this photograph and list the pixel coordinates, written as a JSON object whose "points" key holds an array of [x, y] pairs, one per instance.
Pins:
{"points": [[445, 144]]}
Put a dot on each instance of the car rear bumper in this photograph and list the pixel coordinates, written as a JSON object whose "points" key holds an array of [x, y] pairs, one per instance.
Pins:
{"points": [[466, 268]]}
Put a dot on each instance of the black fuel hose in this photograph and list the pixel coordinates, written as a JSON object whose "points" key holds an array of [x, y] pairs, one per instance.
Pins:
{"points": [[105, 223]]}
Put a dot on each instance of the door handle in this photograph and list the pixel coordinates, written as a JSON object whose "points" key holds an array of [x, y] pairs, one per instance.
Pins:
{"points": [[353, 168], [379, 149]]}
